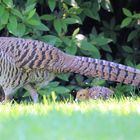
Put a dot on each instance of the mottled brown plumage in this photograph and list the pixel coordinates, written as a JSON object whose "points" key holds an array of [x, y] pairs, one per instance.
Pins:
{"points": [[96, 92], [26, 62]]}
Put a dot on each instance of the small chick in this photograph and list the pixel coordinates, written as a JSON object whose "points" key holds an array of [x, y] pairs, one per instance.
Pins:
{"points": [[96, 92]]}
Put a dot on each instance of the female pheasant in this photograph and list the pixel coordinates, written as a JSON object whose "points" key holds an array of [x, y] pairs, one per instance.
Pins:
{"points": [[31, 63]]}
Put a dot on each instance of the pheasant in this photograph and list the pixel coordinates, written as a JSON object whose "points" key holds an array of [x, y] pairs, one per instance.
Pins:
{"points": [[95, 92], [31, 63]]}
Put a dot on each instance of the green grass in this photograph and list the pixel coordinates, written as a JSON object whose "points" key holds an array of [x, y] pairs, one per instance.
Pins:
{"points": [[95, 120]]}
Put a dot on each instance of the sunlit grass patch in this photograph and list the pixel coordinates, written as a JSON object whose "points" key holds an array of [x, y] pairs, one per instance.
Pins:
{"points": [[123, 106], [111, 119]]}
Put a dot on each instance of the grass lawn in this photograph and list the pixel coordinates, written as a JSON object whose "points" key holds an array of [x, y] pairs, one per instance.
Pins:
{"points": [[95, 120]]}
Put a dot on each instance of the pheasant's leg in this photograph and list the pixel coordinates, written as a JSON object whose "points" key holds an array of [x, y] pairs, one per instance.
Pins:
{"points": [[32, 92], [8, 98], [8, 94]]}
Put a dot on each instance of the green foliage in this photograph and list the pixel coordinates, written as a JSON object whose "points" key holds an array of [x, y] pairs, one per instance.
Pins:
{"points": [[90, 28]]}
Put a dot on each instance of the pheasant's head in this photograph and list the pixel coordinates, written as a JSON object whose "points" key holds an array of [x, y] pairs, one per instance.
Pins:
{"points": [[82, 94]]}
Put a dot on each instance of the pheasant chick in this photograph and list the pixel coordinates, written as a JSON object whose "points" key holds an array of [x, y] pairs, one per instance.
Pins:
{"points": [[96, 92]]}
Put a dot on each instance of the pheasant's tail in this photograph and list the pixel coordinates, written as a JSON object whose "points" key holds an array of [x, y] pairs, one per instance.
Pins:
{"points": [[102, 69]]}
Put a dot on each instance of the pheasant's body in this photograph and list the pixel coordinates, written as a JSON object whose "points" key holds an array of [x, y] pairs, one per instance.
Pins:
{"points": [[27, 62]]}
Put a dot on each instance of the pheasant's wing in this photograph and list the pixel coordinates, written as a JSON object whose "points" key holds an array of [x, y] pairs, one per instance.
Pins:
{"points": [[31, 54]]}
